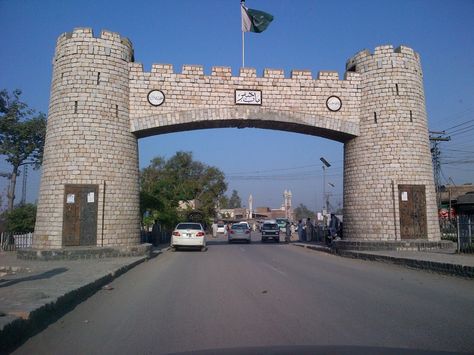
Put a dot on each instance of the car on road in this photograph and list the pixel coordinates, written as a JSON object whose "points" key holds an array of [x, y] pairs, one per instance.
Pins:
{"points": [[282, 223], [239, 231], [270, 229], [188, 235], [221, 228], [245, 224]]}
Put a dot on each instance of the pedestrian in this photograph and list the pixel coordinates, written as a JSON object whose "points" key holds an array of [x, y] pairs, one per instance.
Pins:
{"points": [[156, 233], [214, 229], [309, 230], [300, 231], [334, 226], [288, 232]]}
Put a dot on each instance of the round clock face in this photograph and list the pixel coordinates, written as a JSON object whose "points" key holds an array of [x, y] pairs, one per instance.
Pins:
{"points": [[156, 97], [334, 103]]}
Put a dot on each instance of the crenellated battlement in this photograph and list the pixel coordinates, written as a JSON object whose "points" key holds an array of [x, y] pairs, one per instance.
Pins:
{"points": [[82, 41], [385, 56], [192, 70], [86, 33]]}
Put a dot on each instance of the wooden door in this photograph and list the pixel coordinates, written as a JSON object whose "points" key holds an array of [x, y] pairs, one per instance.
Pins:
{"points": [[80, 215], [412, 206]]}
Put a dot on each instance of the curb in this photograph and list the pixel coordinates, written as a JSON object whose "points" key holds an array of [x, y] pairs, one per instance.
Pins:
{"points": [[19, 330], [315, 247], [458, 270], [435, 266]]}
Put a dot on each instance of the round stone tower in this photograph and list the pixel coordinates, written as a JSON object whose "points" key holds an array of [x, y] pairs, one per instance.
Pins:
{"points": [[89, 187], [389, 191]]}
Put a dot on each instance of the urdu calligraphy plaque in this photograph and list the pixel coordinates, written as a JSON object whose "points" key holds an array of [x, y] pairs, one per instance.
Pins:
{"points": [[248, 97]]}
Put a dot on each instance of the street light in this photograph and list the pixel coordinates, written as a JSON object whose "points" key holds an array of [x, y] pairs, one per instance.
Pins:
{"points": [[326, 165]]}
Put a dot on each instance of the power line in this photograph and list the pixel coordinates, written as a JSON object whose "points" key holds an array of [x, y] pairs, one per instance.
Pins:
{"points": [[279, 169], [460, 150], [462, 130], [459, 125]]}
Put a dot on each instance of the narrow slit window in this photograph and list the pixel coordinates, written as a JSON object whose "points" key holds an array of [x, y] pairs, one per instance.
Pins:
{"points": [[396, 89], [411, 116], [375, 117], [116, 110], [98, 78], [75, 106]]}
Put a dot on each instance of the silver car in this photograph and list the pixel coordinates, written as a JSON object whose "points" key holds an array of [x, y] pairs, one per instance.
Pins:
{"points": [[188, 234], [239, 231]]}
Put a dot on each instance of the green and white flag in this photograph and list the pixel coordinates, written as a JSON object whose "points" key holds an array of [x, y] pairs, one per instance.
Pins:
{"points": [[254, 20]]}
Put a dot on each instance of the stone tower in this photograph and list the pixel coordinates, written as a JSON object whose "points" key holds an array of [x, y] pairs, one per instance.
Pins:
{"points": [[90, 170], [389, 164]]}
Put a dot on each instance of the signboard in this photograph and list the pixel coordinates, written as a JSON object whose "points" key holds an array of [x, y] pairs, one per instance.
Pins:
{"points": [[248, 97], [70, 198]]}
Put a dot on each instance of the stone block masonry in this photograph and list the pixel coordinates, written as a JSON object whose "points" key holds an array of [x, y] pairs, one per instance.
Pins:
{"points": [[99, 107]]}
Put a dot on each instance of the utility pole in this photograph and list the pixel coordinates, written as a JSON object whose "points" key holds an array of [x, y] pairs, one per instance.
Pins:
{"points": [[23, 187], [435, 138], [250, 206]]}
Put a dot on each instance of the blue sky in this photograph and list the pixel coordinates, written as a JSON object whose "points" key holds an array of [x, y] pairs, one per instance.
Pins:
{"points": [[305, 34]]}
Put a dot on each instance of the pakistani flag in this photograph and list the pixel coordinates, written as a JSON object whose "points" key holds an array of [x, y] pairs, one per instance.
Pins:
{"points": [[254, 20]]}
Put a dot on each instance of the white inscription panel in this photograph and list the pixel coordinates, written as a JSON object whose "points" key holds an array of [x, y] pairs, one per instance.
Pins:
{"points": [[248, 97]]}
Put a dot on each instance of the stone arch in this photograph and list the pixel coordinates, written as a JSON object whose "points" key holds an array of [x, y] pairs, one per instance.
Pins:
{"points": [[245, 117]]}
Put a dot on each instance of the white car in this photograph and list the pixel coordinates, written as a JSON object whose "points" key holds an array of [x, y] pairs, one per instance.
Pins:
{"points": [[239, 231], [188, 234], [221, 228], [246, 224]]}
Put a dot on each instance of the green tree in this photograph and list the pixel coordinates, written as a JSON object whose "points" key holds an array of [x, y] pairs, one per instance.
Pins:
{"points": [[167, 182], [20, 219], [234, 200], [303, 212], [22, 135], [224, 201]]}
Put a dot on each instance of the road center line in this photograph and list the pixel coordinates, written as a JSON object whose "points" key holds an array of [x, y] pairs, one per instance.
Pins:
{"points": [[275, 269]]}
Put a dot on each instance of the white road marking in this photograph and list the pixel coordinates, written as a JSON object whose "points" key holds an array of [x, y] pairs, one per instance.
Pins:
{"points": [[275, 269]]}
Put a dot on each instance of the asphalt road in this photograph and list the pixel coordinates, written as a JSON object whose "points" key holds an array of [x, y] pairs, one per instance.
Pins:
{"points": [[281, 297]]}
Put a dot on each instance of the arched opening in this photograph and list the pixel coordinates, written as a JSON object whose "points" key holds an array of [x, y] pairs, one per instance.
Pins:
{"points": [[262, 158]]}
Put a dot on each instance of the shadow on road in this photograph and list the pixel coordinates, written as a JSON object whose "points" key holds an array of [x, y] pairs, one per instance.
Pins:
{"points": [[45, 275]]}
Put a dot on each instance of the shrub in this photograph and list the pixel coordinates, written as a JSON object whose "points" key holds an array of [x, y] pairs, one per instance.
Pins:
{"points": [[21, 219]]}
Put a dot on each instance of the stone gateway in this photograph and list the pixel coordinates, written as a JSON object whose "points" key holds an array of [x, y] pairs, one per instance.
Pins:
{"points": [[102, 101]]}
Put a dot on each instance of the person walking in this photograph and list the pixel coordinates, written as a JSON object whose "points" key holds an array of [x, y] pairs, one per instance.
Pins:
{"points": [[300, 231], [309, 230], [214, 230], [287, 232]]}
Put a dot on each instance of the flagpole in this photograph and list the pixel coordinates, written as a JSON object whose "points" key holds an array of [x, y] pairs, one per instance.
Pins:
{"points": [[243, 49], [242, 2]]}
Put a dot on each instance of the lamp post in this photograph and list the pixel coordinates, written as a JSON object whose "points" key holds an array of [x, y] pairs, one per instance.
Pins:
{"points": [[326, 165]]}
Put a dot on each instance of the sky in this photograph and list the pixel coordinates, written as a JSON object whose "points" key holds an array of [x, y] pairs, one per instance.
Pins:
{"points": [[305, 34]]}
